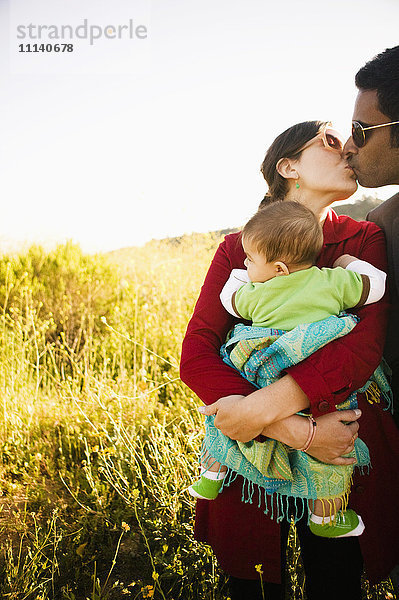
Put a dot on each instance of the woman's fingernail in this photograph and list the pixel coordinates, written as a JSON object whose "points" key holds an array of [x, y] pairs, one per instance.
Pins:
{"points": [[358, 412], [202, 409]]}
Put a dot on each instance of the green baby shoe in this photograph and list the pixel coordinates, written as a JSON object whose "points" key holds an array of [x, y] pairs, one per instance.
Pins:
{"points": [[206, 489], [345, 524]]}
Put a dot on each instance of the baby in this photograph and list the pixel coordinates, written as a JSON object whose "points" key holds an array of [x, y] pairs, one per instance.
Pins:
{"points": [[281, 288]]}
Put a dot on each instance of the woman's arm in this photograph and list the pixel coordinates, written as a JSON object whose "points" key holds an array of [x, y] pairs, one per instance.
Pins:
{"points": [[324, 379], [204, 372], [334, 432], [201, 367], [244, 418], [332, 373], [334, 435]]}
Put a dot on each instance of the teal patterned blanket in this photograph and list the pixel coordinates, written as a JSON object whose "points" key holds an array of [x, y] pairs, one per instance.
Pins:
{"points": [[271, 468]]}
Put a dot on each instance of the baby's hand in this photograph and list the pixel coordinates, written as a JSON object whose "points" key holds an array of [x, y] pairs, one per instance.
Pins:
{"points": [[344, 260]]}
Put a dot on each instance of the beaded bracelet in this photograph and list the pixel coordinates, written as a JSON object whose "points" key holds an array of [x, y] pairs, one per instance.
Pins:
{"points": [[312, 433]]}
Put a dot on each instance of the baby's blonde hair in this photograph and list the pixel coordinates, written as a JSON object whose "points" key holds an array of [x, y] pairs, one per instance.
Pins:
{"points": [[286, 231]]}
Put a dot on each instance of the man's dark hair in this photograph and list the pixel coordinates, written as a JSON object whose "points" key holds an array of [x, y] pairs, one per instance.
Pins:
{"points": [[382, 74]]}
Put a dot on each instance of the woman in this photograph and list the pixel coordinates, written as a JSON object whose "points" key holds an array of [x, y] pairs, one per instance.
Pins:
{"points": [[305, 165]]}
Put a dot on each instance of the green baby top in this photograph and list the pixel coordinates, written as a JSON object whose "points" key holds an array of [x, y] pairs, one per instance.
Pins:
{"points": [[304, 296]]}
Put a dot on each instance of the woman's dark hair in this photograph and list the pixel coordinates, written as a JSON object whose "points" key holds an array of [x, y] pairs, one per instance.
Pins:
{"points": [[382, 75], [287, 145]]}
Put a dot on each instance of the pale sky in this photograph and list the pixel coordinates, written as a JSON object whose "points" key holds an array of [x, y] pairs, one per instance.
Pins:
{"points": [[126, 140]]}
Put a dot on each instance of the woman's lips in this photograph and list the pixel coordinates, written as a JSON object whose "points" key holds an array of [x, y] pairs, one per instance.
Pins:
{"points": [[351, 169]]}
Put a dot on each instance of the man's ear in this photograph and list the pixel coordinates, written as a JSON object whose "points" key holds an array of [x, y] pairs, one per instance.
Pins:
{"points": [[281, 268], [286, 169]]}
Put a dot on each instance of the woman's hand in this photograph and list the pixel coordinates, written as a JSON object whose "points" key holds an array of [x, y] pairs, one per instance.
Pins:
{"points": [[235, 417], [334, 438], [243, 418], [335, 432]]}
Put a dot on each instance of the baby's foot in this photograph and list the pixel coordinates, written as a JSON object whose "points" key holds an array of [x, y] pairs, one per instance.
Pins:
{"points": [[344, 524], [208, 486]]}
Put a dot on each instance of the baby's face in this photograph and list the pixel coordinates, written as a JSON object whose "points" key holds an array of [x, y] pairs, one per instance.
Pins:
{"points": [[258, 269]]}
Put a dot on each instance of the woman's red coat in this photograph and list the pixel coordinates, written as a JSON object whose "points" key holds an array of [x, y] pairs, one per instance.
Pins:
{"points": [[240, 534]]}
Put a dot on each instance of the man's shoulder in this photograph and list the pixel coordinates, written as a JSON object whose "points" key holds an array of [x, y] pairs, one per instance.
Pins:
{"points": [[386, 210]]}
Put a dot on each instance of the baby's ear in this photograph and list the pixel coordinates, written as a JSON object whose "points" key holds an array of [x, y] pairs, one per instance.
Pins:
{"points": [[281, 268]]}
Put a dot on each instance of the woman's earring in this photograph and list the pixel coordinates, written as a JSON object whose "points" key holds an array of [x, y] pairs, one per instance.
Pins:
{"points": [[297, 185]]}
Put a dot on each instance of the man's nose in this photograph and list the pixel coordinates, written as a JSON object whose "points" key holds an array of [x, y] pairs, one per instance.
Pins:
{"points": [[349, 148]]}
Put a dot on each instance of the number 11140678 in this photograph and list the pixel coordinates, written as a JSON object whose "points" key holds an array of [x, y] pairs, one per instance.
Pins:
{"points": [[45, 47]]}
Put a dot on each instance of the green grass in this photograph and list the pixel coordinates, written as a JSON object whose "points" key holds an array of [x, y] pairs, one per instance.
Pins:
{"points": [[98, 436]]}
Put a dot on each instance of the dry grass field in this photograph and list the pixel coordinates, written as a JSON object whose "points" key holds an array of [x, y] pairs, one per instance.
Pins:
{"points": [[98, 436]]}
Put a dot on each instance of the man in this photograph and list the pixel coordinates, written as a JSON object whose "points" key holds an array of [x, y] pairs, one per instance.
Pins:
{"points": [[373, 153]]}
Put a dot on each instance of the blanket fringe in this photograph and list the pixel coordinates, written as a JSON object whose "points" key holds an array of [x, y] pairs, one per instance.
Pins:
{"points": [[280, 506]]}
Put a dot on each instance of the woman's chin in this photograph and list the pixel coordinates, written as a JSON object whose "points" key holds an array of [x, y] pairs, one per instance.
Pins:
{"points": [[347, 192]]}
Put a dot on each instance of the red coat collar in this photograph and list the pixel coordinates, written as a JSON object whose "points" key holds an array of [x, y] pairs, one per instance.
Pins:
{"points": [[339, 228]]}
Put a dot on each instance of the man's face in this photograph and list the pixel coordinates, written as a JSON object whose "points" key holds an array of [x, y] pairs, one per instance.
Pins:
{"points": [[377, 163]]}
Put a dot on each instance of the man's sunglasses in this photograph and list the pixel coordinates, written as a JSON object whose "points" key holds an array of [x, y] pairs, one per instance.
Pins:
{"points": [[358, 132]]}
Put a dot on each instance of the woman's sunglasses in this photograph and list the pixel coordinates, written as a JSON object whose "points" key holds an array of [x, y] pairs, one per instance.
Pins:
{"points": [[331, 139], [358, 132]]}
